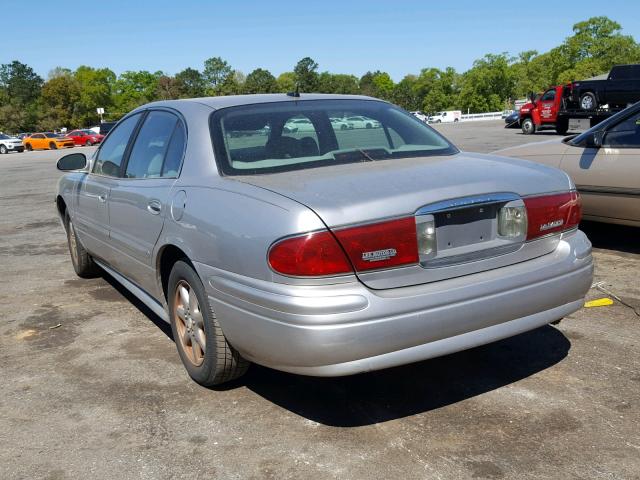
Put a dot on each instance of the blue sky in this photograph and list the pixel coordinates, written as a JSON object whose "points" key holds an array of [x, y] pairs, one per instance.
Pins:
{"points": [[345, 36]]}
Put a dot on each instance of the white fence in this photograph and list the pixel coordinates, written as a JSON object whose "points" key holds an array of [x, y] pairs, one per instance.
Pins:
{"points": [[475, 117]]}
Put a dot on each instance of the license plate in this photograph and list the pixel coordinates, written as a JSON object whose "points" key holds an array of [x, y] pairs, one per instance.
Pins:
{"points": [[467, 226]]}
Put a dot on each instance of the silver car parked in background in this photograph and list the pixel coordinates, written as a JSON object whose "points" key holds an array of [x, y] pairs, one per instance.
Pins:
{"points": [[325, 251]]}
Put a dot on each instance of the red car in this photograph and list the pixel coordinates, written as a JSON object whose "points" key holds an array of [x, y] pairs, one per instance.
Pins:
{"points": [[85, 137]]}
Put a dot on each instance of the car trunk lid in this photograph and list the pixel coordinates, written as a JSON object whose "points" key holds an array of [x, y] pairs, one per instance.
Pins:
{"points": [[462, 193]]}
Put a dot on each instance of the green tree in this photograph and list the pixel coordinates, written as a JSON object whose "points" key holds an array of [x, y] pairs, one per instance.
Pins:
{"points": [[135, 88], [338, 83], [168, 88], [488, 84], [377, 84], [217, 72], [405, 94], [19, 82], [306, 72], [192, 83], [260, 81], [286, 82], [20, 89], [58, 101], [97, 87]]}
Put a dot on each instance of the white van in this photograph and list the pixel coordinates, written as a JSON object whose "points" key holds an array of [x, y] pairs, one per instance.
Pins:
{"points": [[420, 116], [446, 117]]}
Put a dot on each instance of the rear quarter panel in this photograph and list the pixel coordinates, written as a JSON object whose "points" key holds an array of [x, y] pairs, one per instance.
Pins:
{"points": [[230, 226]]}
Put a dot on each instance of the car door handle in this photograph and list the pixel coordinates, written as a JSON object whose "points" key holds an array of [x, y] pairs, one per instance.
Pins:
{"points": [[102, 198], [154, 207]]}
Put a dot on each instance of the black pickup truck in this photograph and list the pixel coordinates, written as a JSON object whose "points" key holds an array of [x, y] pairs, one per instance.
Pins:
{"points": [[620, 88]]}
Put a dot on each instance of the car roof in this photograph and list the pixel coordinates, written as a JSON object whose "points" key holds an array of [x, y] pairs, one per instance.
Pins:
{"points": [[236, 100]]}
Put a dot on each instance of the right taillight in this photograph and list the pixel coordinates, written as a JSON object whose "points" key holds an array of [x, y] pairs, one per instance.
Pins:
{"points": [[554, 213]]}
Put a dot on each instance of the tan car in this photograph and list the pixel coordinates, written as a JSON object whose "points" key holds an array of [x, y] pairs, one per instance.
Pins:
{"points": [[604, 163]]}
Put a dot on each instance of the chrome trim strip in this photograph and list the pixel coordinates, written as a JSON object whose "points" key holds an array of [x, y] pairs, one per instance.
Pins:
{"points": [[598, 190], [465, 202], [140, 294]]}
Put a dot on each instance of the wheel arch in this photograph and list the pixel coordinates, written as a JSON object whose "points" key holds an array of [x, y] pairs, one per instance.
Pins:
{"points": [[61, 207], [166, 258]]}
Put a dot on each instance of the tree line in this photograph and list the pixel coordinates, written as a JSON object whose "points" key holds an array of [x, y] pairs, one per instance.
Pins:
{"points": [[70, 98]]}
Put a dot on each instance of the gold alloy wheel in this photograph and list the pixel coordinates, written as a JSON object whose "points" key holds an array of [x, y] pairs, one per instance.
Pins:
{"points": [[189, 323]]}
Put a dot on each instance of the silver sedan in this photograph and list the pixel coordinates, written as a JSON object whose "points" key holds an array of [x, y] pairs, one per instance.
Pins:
{"points": [[324, 251]]}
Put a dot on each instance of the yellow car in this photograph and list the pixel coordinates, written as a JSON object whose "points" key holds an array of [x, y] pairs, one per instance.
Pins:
{"points": [[46, 141]]}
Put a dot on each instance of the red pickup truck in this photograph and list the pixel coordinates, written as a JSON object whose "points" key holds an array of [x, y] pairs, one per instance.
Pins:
{"points": [[555, 108]]}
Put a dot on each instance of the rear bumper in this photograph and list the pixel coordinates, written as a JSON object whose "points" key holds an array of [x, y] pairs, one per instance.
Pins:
{"points": [[342, 329]]}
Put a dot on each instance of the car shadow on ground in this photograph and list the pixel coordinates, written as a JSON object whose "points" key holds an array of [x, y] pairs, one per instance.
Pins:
{"points": [[399, 392], [131, 298], [394, 393], [608, 236]]}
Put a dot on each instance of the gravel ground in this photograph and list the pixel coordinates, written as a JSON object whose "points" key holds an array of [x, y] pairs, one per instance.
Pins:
{"points": [[92, 386]]}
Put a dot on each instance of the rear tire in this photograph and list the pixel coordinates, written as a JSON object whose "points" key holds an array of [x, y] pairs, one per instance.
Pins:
{"points": [[88, 143], [194, 324], [588, 101], [28, 147], [528, 127], [82, 262], [3, 149]]}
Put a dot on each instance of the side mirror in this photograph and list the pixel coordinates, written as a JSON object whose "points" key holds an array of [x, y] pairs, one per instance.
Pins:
{"points": [[595, 139], [73, 161], [532, 97]]}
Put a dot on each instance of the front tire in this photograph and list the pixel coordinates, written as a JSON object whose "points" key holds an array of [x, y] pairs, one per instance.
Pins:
{"points": [[82, 262], [3, 149], [528, 127], [205, 353], [53, 146], [88, 143], [588, 101], [28, 147]]}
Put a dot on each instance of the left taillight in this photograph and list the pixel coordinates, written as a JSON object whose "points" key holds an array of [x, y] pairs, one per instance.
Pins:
{"points": [[555, 213], [388, 244], [314, 254]]}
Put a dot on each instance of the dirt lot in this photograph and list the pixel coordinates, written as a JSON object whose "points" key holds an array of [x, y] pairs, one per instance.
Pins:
{"points": [[92, 386]]}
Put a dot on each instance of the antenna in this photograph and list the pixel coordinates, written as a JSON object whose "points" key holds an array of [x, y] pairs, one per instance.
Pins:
{"points": [[295, 93]]}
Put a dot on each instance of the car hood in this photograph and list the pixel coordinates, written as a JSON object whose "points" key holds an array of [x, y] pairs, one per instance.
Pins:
{"points": [[367, 191]]}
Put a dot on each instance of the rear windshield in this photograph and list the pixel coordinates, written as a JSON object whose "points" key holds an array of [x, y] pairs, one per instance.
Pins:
{"points": [[290, 135]]}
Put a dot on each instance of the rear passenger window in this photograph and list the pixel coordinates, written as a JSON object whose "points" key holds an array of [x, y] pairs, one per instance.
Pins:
{"points": [[151, 145], [172, 160], [112, 150]]}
